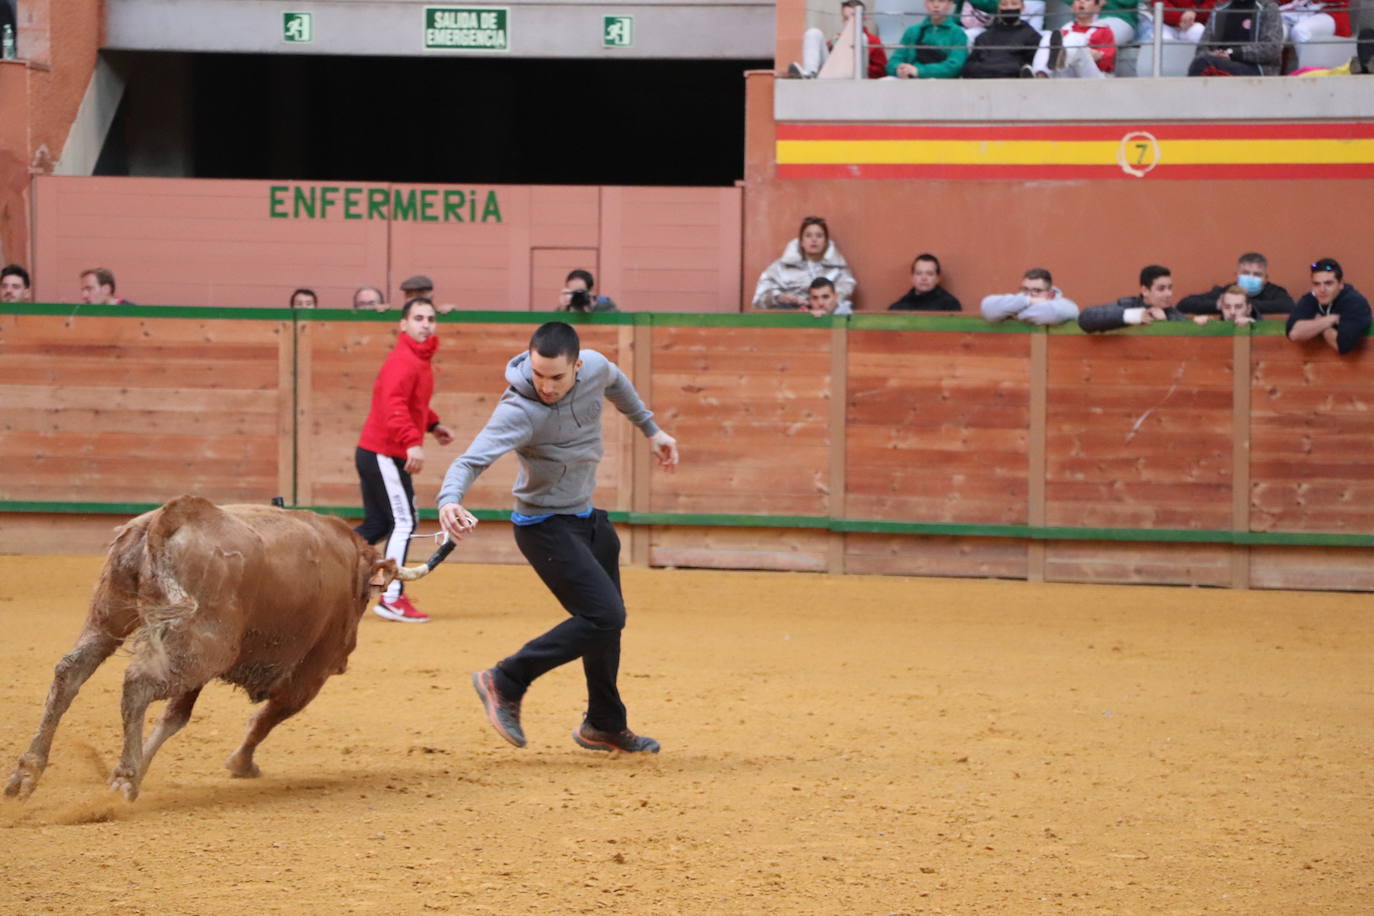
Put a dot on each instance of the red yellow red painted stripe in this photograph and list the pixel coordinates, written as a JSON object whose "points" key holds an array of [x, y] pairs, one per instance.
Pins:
{"points": [[1077, 151]]}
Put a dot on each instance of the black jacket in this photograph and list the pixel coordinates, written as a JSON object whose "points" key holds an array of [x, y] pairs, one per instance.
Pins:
{"points": [[1111, 317], [1271, 300], [937, 300], [1349, 304], [989, 59]]}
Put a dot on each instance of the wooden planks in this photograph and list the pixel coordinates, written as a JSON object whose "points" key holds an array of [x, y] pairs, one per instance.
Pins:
{"points": [[750, 408], [1312, 429], [1138, 432], [937, 427], [114, 409]]}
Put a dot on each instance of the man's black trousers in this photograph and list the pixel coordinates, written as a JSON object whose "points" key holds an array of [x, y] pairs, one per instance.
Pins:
{"points": [[579, 560]]}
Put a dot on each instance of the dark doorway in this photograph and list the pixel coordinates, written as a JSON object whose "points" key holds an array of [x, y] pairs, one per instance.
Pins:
{"points": [[430, 120]]}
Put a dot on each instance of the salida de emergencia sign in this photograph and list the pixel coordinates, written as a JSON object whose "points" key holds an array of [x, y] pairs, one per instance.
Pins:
{"points": [[467, 28]]}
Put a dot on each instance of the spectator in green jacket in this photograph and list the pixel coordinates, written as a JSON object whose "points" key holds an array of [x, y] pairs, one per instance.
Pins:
{"points": [[935, 49]]}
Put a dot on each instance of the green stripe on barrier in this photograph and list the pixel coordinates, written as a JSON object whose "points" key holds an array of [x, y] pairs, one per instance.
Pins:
{"points": [[824, 523], [863, 321]]}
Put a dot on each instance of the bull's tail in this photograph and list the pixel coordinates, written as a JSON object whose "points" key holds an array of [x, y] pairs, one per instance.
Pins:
{"points": [[163, 602]]}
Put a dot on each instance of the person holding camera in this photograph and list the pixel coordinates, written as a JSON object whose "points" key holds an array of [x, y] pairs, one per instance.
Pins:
{"points": [[579, 294]]}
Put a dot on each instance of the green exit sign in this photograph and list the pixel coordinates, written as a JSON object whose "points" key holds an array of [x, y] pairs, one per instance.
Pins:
{"points": [[617, 31], [467, 28], [297, 28]]}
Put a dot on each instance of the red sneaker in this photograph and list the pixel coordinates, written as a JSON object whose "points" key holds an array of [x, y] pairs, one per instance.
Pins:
{"points": [[399, 609]]}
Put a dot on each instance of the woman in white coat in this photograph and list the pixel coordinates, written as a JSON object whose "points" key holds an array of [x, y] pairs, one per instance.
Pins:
{"points": [[784, 285]]}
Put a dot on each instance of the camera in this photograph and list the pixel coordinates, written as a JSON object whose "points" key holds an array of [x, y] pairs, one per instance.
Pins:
{"points": [[579, 301]]}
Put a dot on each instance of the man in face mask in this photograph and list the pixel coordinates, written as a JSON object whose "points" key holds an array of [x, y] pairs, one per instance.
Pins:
{"points": [[1252, 275], [1007, 47]]}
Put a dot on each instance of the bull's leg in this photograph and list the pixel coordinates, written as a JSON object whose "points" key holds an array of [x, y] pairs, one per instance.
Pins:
{"points": [[92, 648], [140, 689], [290, 699], [174, 719]]}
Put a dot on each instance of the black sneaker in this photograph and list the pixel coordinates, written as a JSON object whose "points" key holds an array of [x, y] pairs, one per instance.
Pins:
{"points": [[502, 712], [594, 739], [1057, 60]]}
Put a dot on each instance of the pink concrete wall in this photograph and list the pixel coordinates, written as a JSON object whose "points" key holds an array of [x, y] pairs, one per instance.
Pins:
{"points": [[504, 247]]}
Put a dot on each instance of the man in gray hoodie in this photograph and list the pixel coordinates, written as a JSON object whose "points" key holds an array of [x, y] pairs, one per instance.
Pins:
{"points": [[550, 416]]}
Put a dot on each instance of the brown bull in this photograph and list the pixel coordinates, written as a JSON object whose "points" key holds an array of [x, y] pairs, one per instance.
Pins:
{"points": [[264, 598]]}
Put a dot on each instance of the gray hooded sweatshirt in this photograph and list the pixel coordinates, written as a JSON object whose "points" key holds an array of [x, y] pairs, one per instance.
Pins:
{"points": [[559, 445]]}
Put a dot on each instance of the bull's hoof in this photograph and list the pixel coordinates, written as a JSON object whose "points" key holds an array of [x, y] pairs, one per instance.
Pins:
{"points": [[24, 779], [240, 768], [125, 785], [20, 785]]}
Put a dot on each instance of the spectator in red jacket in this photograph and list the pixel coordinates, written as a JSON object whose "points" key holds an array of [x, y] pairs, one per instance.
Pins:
{"points": [[1085, 47], [390, 448], [1184, 20], [815, 49]]}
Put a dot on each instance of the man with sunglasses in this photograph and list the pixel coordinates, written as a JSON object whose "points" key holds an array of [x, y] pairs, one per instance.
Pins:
{"points": [[1333, 311], [1038, 301]]}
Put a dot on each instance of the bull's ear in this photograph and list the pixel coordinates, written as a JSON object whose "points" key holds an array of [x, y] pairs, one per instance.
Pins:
{"points": [[383, 571]]}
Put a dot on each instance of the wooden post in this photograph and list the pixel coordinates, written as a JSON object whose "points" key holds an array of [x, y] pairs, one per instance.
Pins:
{"points": [[1240, 456], [641, 497], [839, 403], [305, 471], [625, 348], [286, 411], [1035, 475]]}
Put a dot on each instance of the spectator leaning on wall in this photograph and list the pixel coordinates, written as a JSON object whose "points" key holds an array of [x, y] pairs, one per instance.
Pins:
{"points": [[1333, 310], [14, 281], [1038, 301], [1232, 305], [785, 284], [579, 294], [926, 293], [98, 287], [1252, 276], [1154, 303], [369, 297]]}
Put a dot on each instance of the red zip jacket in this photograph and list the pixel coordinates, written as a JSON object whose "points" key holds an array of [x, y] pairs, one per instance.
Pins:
{"points": [[400, 412], [1174, 10], [1099, 37]]}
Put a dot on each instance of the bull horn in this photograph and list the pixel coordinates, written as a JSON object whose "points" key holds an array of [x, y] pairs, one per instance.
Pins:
{"points": [[411, 573]]}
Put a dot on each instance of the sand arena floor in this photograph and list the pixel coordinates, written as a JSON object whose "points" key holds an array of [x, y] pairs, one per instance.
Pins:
{"points": [[831, 745]]}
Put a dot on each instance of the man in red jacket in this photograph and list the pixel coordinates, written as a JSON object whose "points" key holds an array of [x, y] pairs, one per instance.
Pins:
{"points": [[390, 448]]}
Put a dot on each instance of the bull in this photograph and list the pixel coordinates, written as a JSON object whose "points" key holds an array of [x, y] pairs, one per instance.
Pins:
{"points": [[264, 598]]}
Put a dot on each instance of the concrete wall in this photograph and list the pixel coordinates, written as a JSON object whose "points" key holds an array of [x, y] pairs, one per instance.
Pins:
{"points": [[990, 177], [740, 29]]}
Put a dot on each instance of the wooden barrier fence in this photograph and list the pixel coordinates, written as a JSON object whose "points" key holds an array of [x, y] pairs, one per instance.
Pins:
{"points": [[927, 445]]}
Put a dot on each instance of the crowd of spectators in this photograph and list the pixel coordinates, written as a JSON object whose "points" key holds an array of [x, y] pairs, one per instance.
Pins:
{"points": [[812, 276], [984, 39]]}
